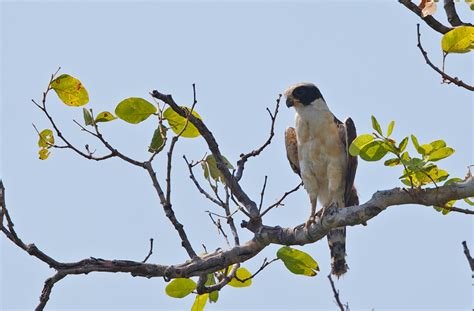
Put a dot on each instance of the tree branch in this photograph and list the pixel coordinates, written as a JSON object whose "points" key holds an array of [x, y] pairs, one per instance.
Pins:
{"points": [[429, 20], [230, 180], [169, 212], [48, 287], [221, 259], [256, 152], [468, 256], [336, 295], [452, 15], [445, 76]]}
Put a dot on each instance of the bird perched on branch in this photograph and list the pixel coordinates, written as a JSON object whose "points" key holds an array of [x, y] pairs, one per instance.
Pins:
{"points": [[317, 150]]}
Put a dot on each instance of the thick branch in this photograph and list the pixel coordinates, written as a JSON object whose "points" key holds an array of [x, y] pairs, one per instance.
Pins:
{"points": [[452, 15], [429, 20], [445, 76], [230, 180]]}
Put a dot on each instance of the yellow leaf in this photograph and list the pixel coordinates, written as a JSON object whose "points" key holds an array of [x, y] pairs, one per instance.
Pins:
{"points": [[43, 153], [458, 40], [70, 90]]}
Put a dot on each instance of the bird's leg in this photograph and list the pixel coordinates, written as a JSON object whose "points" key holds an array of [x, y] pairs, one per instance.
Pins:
{"points": [[323, 209], [312, 216]]}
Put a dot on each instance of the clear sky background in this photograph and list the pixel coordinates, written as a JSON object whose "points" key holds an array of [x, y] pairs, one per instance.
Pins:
{"points": [[241, 55]]}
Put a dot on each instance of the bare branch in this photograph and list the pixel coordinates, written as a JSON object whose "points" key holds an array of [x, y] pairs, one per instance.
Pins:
{"points": [[429, 20], [468, 256], [336, 295], [229, 215], [262, 194], [48, 287], [169, 212], [256, 152], [278, 203], [230, 180], [150, 252], [265, 264], [219, 228], [452, 15], [198, 186], [445, 76]]}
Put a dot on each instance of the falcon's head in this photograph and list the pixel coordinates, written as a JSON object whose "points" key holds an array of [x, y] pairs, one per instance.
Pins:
{"points": [[302, 95]]}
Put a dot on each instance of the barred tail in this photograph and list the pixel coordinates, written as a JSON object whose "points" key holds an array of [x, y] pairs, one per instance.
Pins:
{"points": [[337, 240], [337, 245]]}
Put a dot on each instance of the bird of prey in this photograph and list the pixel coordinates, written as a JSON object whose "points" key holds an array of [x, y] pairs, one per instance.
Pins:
{"points": [[318, 151]]}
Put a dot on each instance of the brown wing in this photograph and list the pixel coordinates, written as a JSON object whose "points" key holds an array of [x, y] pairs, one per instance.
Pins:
{"points": [[292, 149], [347, 132]]}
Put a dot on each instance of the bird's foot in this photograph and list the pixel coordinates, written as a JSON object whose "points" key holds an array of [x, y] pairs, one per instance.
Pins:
{"points": [[311, 220]]}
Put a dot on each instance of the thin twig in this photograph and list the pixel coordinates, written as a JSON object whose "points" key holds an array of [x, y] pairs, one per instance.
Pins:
{"points": [[150, 252], [445, 76], [429, 20], [230, 219], [219, 228], [265, 264], [278, 203], [256, 152], [198, 186], [48, 287], [262, 194], [336, 295], [169, 212], [468, 256]]}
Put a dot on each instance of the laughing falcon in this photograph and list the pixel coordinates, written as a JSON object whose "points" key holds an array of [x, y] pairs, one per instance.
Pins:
{"points": [[318, 151]]}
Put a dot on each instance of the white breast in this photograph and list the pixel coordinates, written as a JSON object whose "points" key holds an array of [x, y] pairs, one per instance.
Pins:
{"points": [[321, 153]]}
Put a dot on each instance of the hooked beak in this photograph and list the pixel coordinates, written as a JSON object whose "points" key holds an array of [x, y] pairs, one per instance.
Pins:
{"points": [[289, 102]]}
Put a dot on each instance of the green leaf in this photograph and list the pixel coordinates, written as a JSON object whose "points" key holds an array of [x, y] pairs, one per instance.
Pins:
{"points": [[134, 110], [469, 201], [438, 144], [46, 139], [156, 141], [70, 90], [417, 145], [177, 123], [441, 154], [392, 162], [105, 116], [242, 274], [43, 153], [211, 280], [427, 149], [199, 302], [447, 207], [205, 169], [426, 175], [180, 287], [358, 143], [390, 128], [212, 169], [458, 40], [87, 117], [373, 151], [403, 144], [376, 125], [452, 180], [298, 261]]}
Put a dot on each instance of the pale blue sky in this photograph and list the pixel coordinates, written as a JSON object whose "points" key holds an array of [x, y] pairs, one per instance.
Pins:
{"points": [[241, 55]]}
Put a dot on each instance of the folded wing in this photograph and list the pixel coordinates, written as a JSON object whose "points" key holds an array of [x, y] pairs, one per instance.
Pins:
{"points": [[292, 149]]}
